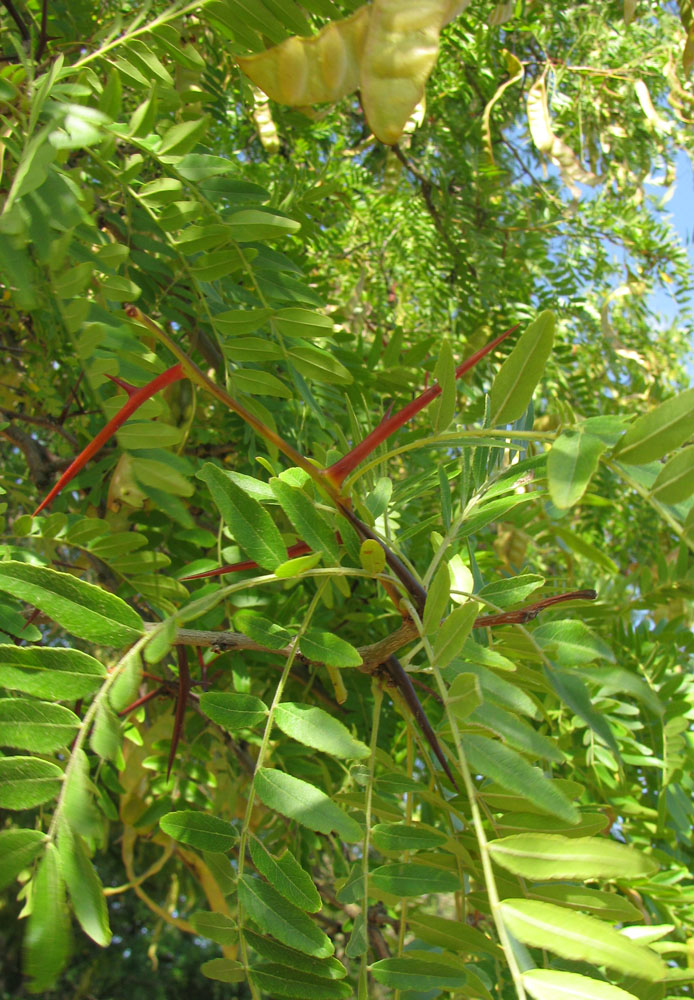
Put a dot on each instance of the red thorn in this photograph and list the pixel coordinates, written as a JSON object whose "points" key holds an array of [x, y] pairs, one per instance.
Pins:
{"points": [[133, 403], [126, 386], [294, 550], [337, 472]]}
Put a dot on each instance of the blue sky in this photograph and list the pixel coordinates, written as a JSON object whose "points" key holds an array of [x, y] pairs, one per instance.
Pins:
{"points": [[680, 210]]}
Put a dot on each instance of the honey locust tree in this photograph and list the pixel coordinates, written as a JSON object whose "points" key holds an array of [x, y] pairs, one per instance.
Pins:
{"points": [[347, 537]]}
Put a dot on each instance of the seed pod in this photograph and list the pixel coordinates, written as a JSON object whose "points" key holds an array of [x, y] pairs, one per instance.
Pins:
{"points": [[304, 71]]}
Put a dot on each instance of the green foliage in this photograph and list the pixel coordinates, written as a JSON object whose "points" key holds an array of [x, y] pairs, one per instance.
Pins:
{"points": [[526, 829]]}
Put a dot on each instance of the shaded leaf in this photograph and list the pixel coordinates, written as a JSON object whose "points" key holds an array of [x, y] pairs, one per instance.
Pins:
{"points": [[513, 772], [233, 711], [47, 938], [421, 970], [250, 524], [408, 879], [324, 647], [286, 875], [199, 830], [406, 837], [316, 728], [18, 848], [86, 891], [274, 914], [284, 981]]}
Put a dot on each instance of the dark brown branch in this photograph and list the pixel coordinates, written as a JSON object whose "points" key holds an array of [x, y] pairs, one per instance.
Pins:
{"points": [[16, 17]]}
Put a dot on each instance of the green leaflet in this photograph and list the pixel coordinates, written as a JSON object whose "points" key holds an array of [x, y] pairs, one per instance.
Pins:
{"points": [[273, 951], [127, 684], [233, 711], [515, 381], [105, 738], [250, 524], [83, 609], [421, 970], [511, 771], [603, 904], [275, 915], [507, 592], [493, 510], [574, 693], [286, 875], [515, 731], [315, 728], [314, 363], [410, 879], [86, 892], [251, 224], [26, 782], [15, 624], [675, 481], [523, 822], [47, 938], [199, 830], [294, 567], [215, 926], [437, 599], [303, 323], [324, 647], [451, 635], [310, 523], [36, 725], [286, 981], [78, 803], [406, 836], [452, 935], [551, 856], [578, 937], [18, 848], [261, 630], [659, 431], [571, 643], [550, 984], [464, 695], [312, 808], [444, 373], [571, 464], [225, 970]]}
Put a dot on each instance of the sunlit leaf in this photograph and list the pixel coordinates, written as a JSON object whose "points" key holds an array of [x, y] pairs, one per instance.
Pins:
{"points": [[305, 803]]}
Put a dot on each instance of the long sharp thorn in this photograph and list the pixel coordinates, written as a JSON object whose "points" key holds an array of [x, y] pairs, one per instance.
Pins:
{"points": [[129, 407], [404, 685], [337, 473]]}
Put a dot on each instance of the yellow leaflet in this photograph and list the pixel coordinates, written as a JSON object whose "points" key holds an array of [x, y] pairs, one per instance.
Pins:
{"points": [[554, 148], [303, 71]]}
